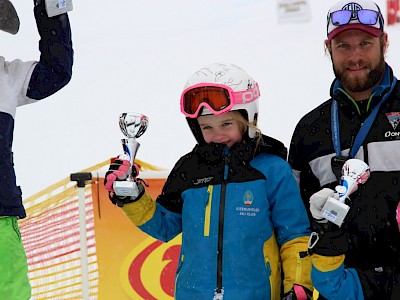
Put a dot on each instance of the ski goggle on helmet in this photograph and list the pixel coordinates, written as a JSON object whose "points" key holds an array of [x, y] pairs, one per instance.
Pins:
{"points": [[217, 89], [217, 98], [364, 15]]}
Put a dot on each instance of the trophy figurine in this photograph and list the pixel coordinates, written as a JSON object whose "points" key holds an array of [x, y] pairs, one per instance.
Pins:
{"points": [[132, 125], [354, 172]]}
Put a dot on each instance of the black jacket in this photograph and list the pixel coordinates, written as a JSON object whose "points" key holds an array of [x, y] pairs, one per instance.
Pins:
{"points": [[371, 229]]}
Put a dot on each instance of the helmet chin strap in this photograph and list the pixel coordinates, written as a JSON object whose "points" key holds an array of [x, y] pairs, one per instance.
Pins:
{"points": [[9, 21]]}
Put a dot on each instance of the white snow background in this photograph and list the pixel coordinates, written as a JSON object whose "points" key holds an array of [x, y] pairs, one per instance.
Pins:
{"points": [[136, 56]]}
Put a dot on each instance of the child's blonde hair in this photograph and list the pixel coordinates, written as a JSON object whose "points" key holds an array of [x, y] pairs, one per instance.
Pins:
{"points": [[244, 124]]}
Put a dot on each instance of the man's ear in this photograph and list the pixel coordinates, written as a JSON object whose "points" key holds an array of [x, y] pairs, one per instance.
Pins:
{"points": [[385, 42], [328, 45]]}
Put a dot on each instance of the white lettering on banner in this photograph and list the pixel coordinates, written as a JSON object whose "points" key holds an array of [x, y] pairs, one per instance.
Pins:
{"points": [[292, 11], [292, 5], [392, 134]]}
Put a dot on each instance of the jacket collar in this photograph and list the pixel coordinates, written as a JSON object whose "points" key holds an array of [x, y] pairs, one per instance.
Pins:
{"points": [[242, 152]]}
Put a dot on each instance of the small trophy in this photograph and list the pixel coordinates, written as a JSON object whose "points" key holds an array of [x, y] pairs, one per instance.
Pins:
{"points": [[354, 172], [132, 125]]}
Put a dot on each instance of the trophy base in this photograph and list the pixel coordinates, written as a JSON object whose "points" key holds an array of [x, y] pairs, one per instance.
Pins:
{"points": [[335, 211], [126, 189]]}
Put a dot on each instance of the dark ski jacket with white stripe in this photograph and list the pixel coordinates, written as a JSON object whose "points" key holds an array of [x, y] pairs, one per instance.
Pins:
{"points": [[372, 234], [23, 83], [240, 214]]}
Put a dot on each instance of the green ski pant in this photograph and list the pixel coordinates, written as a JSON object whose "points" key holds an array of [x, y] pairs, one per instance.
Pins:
{"points": [[14, 282]]}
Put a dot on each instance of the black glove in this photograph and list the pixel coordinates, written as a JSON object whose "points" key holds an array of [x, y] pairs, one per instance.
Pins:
{"points": [[327, 239], [298, 292]]}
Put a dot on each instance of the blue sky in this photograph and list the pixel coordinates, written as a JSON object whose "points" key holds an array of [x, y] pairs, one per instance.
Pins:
{"points": [[136, 55]]}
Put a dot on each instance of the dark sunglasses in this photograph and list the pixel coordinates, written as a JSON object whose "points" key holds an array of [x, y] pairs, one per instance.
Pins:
{"points": [[343, 17]]}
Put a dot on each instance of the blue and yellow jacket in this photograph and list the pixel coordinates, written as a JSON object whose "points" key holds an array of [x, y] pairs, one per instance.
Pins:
{"points": [[241, 217]]}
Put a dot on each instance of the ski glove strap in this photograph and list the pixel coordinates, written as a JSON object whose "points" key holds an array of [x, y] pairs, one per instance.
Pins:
{"points": [[298, 292]]}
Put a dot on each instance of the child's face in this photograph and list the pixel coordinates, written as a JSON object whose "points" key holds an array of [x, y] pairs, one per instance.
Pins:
{"points": [[221, 129]]}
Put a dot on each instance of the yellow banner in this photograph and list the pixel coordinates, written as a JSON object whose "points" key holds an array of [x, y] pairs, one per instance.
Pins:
{"points": [[131, 264]]}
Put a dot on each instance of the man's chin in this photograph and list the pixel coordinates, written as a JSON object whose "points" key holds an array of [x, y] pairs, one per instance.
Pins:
{"points": [[355, 82]]}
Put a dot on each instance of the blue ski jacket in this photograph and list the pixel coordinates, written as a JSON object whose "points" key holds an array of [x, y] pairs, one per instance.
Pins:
{"points": [[241, 217]]}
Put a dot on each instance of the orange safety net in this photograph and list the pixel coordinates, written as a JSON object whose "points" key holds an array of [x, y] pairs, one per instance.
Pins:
{"points": [[51, 237]]}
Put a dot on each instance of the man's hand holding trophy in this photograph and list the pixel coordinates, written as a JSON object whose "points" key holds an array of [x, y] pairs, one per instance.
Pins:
{"points": [[328, 205], [120, 179]]}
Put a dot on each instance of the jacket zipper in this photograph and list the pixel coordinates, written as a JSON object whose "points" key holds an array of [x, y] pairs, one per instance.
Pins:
{"points": [[299, 268], [219, 291]]}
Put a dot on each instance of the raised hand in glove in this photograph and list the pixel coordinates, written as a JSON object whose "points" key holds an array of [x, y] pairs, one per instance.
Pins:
{"points": [[327, 238], [298, 292], [120, 170]]}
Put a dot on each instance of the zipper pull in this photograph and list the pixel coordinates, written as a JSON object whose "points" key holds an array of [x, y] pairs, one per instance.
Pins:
{"points": [[219, 295]]}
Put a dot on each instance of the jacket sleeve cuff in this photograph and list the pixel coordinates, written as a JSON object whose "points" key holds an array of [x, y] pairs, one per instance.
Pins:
{"points": [[327, 263], [140, 211], [296, 263]]}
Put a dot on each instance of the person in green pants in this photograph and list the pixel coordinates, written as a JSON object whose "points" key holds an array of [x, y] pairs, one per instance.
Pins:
{"points": [[24, 83]]}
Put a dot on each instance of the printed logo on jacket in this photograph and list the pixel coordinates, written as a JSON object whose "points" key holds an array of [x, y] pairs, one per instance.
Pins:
{"points": [[394, 120], [248, 210]]}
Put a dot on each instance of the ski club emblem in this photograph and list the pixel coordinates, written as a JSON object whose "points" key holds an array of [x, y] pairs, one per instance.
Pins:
{"points": [[394, 119], [248, 198]]}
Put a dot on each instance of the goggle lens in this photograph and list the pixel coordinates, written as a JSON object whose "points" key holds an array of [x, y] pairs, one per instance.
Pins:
{"points": [[217, 98], [365, 16], [341, 17], [368, 17]]}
